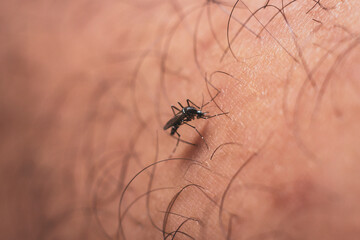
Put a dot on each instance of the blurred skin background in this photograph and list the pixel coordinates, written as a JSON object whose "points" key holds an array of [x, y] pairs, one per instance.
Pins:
{"points": [[86, 88]]}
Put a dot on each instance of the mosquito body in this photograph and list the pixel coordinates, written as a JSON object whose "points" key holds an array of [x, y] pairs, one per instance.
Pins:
{"points": [[185, 115]]}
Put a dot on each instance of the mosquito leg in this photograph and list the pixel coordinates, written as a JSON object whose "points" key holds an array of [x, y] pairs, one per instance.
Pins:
{"points": [[189, 101], [212, 85], [225, 113], [202, 101], [208, 82], [177, 143], [183, 141], [180, 105], [212, 99], [173, 107], [207, 86], [199, 134]]}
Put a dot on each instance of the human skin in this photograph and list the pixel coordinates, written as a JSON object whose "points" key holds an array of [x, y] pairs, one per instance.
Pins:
{"points": [[86, 89]]}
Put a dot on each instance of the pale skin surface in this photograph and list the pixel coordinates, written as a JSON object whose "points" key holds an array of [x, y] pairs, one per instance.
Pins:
{"points": [[86, 89]]}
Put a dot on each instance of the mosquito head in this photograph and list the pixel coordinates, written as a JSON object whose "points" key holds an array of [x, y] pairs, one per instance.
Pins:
{"points": [[201, 114]]}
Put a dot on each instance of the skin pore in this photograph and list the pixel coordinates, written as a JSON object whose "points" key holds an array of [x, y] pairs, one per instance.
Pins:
{"points": [[86, 89]]}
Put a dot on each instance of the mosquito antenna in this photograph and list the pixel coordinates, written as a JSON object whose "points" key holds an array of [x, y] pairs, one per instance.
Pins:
{"points": [[208, 82], [202, 102], [212, 97]]}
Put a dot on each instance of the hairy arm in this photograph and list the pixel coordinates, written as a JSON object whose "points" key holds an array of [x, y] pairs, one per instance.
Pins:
{"points": [[88, 88]]}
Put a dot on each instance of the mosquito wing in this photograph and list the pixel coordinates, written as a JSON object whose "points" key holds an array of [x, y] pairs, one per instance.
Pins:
{"points": [[174, 121]]}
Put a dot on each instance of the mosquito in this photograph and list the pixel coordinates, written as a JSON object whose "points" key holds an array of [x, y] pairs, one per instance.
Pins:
{"points": [[185, 115]]}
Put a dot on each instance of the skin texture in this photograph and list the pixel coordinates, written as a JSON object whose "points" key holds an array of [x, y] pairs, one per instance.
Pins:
{"points": [[86, 88]]}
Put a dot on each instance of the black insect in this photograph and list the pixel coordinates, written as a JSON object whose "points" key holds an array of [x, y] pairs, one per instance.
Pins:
{"points": [[185, 115]]}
